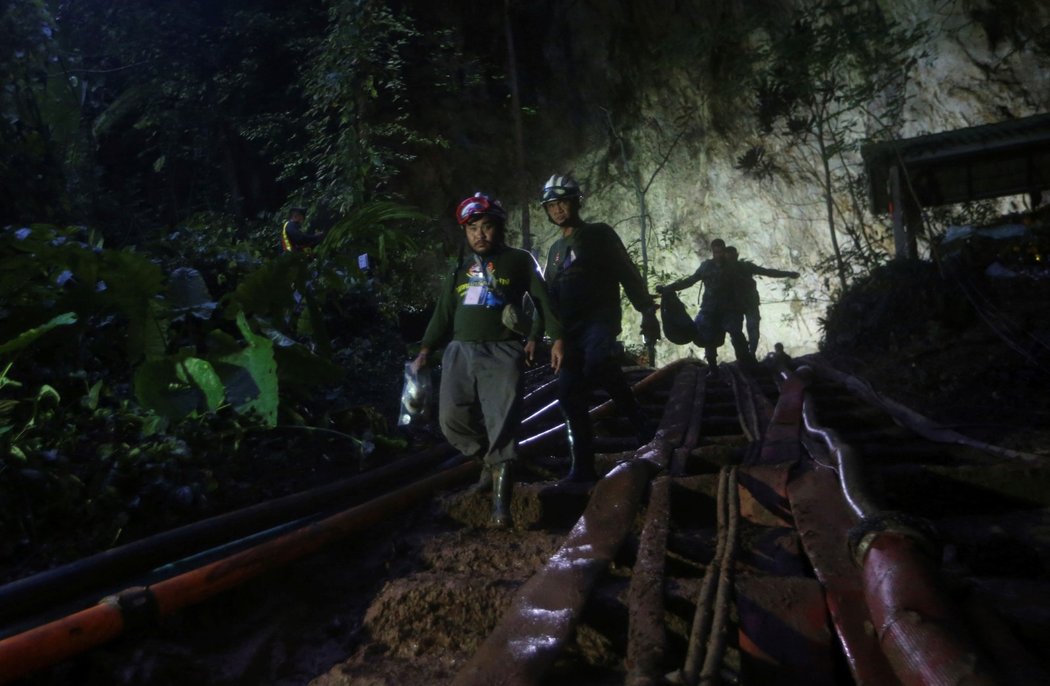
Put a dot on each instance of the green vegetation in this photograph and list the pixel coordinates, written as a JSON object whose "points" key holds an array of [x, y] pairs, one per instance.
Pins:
{"points": [[827, 81], [135, 394], [160, 359], [157, 351]]}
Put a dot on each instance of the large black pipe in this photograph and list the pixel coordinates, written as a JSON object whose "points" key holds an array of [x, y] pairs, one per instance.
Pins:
{"points": [[55, 586], [46, 644]]}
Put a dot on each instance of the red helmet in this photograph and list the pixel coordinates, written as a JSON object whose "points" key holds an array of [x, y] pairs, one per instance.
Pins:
{"points": [[478, 204]]}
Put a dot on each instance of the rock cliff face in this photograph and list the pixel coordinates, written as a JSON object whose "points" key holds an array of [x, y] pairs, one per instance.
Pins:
{"points": [[661, 100]]}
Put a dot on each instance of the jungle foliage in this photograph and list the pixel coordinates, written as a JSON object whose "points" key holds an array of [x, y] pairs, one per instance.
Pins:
{"points": [[153, 340], [157, 352], [135, 393]]}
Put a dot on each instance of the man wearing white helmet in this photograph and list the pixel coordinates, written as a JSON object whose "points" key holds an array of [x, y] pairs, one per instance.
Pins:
{"points": [[479, 403], [586, 267]]}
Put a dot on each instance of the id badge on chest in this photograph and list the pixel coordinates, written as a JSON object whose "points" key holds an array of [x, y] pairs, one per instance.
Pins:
{"points": [[570, 257], [475, 295]]}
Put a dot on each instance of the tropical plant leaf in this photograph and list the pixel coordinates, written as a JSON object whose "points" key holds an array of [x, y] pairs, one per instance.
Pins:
{"points": [[146, 333], [260, 395], [48, 392], [239, 384], [366, 229], [27, 337], [131, 280], [201, 374], [158, 388], [188, 294], [90, 401]]}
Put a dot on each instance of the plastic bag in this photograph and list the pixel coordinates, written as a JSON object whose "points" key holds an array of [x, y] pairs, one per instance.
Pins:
{"points": [[415, 396], [515, 319]]}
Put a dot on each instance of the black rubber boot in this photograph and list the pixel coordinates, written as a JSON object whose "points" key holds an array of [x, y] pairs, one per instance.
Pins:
{"points": [[502, 484], [745, 359], [581, 450]]}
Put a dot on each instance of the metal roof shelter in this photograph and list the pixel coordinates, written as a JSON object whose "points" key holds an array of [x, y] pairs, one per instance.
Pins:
{"points": [[979, 162]]}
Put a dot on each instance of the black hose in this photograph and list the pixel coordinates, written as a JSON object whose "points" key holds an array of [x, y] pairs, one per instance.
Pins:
{"points": [[69, 581]]}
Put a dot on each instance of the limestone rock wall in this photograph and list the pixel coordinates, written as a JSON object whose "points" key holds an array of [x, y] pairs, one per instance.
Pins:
{"points": [[686, 127]]}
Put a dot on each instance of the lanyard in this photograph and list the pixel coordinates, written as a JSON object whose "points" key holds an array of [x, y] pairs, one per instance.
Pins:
{"points": [[487, 272]]}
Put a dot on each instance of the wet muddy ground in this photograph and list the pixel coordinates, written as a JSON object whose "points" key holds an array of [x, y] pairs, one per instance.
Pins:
{"points": [[406, 604], [410, 602]]}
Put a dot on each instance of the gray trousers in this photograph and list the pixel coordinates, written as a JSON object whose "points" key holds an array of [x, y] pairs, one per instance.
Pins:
{"points": [[480, 398]]}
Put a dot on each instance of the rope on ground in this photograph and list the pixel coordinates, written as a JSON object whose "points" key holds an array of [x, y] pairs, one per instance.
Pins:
{"points": [[709, 619]]}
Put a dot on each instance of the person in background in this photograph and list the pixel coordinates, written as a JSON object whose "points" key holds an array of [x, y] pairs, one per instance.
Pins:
{"points": [[586, 266], [479, 400], [293, 238], [743, 273], [719, 312]]}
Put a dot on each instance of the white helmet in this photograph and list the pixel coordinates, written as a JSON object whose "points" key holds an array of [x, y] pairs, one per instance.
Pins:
{"points": [[560, 187]]}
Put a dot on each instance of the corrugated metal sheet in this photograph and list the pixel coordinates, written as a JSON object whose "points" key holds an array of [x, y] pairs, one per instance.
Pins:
{"points": [[992, 160]]}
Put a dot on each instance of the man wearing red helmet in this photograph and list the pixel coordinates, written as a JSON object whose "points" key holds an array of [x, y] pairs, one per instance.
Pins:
{"points": [[480, 396], [586, 267]]}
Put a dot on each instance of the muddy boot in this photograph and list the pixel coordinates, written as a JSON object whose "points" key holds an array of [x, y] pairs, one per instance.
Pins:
{"points": [[502, 483], [581, 451]]}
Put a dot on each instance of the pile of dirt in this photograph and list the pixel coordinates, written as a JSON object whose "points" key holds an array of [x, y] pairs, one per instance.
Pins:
{"points": [[964, 346]]}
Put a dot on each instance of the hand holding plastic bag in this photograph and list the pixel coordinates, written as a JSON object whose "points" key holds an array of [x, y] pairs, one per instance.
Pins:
{"points": [[415, 396]]}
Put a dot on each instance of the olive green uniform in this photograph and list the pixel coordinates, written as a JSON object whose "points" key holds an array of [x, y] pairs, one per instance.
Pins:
{"points": [[480, 395]]}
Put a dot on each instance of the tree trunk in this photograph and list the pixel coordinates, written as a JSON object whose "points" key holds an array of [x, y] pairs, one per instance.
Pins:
{"points": [[519, 134], [830, 205]]}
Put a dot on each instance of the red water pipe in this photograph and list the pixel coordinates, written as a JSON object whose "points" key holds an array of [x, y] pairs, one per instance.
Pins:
{"points": [[917, 627], [48, 644], [919, 632]]}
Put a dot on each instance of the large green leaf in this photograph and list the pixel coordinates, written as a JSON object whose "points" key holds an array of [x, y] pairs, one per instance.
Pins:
{"points": [[297, 365], [188, 294], [201, 374], [158, 388], [177, 387], [130, 280], [250, 375], [366, 229], [27, 337], [146, 333]]}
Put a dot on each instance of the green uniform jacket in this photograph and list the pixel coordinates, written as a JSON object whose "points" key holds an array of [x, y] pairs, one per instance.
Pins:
{"points": [[585, 272], [471, 308], [743, 275], [718, 286]]}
